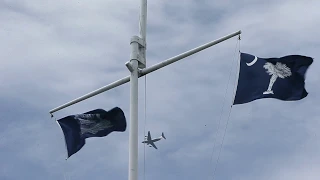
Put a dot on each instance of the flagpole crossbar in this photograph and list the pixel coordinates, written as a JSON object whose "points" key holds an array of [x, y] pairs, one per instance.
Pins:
{"points": [[186, 54], [144, 72]]}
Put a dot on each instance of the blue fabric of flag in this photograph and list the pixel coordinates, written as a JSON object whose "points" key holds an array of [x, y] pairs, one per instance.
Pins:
{"points": [[96, 123], [280, 78]]}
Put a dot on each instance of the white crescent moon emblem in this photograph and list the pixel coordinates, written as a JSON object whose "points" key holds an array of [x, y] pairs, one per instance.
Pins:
{"points": [[254, 61]]}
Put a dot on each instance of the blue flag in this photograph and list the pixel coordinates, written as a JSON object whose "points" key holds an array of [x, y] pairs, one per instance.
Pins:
{"points": [[280, 78], [96, 123]]}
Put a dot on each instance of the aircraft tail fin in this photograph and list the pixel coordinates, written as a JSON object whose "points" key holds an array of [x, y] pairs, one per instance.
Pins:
{"points": [[162, 135]]}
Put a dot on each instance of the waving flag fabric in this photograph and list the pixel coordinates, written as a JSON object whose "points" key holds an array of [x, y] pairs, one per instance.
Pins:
{"points": [[96, 123], [280, 78]]}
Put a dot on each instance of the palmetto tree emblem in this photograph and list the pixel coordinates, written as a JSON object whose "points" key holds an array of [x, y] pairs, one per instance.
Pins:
{"points": [[279, 70], [92, 123]]}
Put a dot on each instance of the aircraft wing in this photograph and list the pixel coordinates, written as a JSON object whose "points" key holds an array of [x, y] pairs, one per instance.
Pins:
{"points": [[149, 136], [153, 145]]}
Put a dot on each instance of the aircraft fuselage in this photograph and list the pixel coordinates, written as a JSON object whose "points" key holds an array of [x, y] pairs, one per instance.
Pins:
{"points": [[152, 140]]}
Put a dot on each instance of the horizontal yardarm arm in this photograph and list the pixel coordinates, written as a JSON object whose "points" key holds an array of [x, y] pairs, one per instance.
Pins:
{"points": [[145, 71], [185, 54], [93, 93]]}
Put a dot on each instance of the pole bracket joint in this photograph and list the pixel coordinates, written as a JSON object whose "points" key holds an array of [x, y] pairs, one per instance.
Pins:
{"points": [[138, 51], [140, 41]]}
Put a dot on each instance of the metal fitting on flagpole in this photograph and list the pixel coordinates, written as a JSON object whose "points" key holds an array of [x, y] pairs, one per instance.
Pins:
{"points": [[138, 50], [129, 66], [134, 48], [137, 44]]}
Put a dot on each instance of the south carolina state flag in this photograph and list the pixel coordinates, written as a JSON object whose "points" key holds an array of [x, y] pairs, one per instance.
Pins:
{"points": [[96, 123], [280, 78]]}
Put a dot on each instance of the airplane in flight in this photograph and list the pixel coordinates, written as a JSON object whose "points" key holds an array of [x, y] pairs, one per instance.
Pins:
{"points": [[149, 141]]}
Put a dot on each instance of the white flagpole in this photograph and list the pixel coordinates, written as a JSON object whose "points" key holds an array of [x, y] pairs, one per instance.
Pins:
{"points": [[138, 59], [133, 131], [143, 28]]}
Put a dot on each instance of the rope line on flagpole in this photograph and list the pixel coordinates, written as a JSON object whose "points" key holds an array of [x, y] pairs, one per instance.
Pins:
{"points": [[64, 169], [224, 100], [225, 130], [145, 122], [237, 76]]}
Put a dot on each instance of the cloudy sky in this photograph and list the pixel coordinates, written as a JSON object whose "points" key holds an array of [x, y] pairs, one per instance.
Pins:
{"points": [[55, 51]]}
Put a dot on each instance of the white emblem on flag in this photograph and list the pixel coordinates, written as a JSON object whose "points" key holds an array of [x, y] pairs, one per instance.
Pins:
{"points": [[92, 123], [279, 70]]}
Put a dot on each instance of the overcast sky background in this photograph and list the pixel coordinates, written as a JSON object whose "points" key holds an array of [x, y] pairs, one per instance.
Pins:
{"points": [[55, 51]]}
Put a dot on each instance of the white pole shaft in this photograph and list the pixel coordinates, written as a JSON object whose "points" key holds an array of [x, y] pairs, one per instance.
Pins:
{"points": [[143, 19], [144, 71], [133, 132], [143, 30], [134, 121]]}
